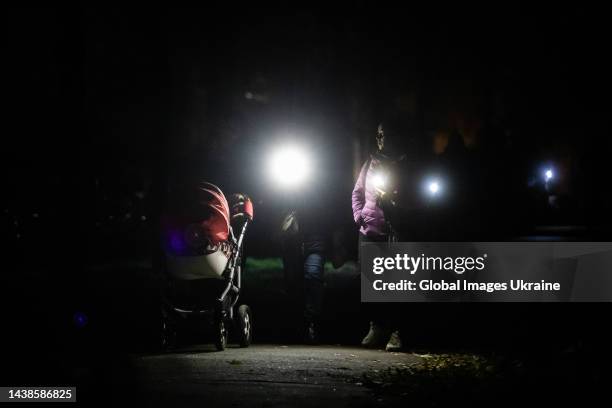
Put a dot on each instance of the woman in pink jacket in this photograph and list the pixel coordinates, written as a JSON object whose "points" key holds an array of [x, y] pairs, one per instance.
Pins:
{"points": [[370, 196]]}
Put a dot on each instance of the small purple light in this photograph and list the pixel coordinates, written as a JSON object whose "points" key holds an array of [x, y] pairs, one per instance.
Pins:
{"points": [[80, 319], [176, 242]]}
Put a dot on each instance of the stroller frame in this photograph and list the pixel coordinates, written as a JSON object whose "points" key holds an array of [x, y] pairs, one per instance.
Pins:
{"points": [[222, 310]]}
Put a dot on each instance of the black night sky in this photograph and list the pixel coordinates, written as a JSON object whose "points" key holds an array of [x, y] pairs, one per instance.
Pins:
{"points": [[107, 110]]}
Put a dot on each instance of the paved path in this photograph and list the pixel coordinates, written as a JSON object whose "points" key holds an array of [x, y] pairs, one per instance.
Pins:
{"points": [[263, 376]]}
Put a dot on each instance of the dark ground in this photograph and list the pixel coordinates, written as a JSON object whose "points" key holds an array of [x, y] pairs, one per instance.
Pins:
{"points": [[265, 376], [456, 353]]}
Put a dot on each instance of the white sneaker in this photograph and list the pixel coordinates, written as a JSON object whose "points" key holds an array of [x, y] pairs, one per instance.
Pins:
{"points": [[395, 342], [375, 337]]}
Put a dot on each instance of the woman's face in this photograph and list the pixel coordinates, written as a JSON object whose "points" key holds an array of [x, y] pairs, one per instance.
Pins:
{"points": [[380, 138]]}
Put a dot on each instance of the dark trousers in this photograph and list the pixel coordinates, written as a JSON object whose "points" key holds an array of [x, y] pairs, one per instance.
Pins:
{"points": [[313, 286], [382, 314], [304, 280]]}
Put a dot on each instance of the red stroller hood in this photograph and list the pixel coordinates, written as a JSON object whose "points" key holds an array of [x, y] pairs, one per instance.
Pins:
{"points": [[216, 226]]}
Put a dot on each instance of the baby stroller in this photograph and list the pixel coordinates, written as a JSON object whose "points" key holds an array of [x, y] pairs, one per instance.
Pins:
{"points": [[203, 240]]}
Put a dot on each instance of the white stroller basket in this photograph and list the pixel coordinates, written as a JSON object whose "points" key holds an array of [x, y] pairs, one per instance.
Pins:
{"points": [[209, 266]]}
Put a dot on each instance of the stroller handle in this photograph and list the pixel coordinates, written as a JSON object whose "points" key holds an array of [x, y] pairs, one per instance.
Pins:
{"points": [[235, 257]]}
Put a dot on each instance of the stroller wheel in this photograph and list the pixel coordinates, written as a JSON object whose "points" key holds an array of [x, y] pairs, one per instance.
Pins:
{"points": [[221, 335], [167, 338], [244, 325]]}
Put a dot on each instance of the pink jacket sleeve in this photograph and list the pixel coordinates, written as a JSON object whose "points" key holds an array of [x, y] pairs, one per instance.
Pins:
{"points": [[359, 193]]}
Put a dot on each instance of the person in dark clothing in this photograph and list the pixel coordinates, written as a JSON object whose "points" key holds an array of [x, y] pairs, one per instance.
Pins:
{"points": [[304, 248], [314, 248], [305, 232]]}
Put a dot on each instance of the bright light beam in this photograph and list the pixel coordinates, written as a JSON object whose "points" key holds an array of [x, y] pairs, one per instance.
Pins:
{"points": [[379, 181], [289, 166], [433, 187], [548, 175]]}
